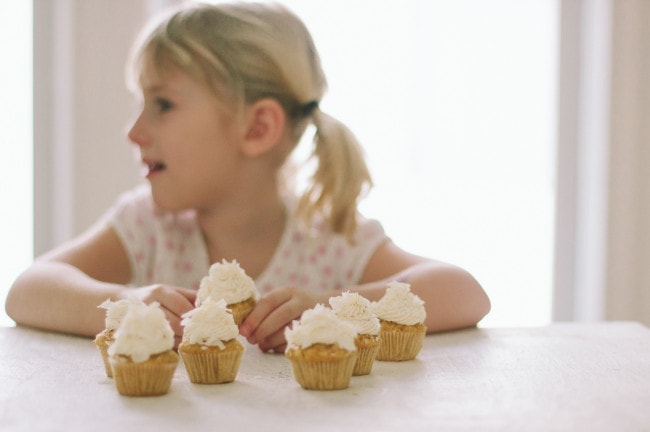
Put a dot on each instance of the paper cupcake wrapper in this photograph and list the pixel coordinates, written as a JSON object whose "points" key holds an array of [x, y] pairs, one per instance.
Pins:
{"points": [[324, 375], [102, 346], [241, 310], [366, 355], [148, 378], [400, 345], [212, 367]]}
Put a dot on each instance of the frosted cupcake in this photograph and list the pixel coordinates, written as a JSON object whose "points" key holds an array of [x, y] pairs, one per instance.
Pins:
{"points": [[228, 281], [141, 356], [321, 349], [356, 310], [401, 317], [210, 351], [115, 312]]}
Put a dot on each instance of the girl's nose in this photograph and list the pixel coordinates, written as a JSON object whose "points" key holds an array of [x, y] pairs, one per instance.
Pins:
{"points": [[137, 133]]}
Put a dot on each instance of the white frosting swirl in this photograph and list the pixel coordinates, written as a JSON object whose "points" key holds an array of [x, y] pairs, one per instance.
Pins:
{"points": [[228, 281], [210, 324], [144, 331], [356, 310], [400, 305], [320, 325], [116, 310]]}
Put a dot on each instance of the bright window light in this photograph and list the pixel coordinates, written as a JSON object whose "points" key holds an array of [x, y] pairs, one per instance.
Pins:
{"points": [[455, 105], [15, 144], [454, 102]]}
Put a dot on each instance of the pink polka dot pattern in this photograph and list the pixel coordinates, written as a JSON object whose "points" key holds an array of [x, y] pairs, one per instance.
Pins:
{"points": [[169, 248]]}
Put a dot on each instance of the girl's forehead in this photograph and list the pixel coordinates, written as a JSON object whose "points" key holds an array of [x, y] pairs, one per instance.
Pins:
{"points": [[166, 74], [156, 75], [174, 82]]}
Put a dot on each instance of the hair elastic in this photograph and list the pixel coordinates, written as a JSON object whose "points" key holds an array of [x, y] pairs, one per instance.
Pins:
{"points": [[309, 108]]}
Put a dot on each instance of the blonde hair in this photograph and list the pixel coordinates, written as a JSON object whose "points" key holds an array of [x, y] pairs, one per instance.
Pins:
{"points": [[248, 51]]}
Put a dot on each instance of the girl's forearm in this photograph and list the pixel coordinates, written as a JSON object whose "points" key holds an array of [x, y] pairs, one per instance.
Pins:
{"points": [[453, 298], [59, 297]]}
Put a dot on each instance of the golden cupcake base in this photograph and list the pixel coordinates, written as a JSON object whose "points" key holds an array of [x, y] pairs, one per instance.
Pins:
{"points": [[103, 341], [322, 367], [367, 348], [211, 364], [241, 310], [400, 342], [152, 377]]}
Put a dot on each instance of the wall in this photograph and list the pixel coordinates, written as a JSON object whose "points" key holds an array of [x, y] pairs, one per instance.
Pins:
{"points": [[603, 189], [83, 160], [628, 270], [82, 110]]}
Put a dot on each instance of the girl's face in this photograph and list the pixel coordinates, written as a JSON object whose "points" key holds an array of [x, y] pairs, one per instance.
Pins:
{"points": [[188, 142]]}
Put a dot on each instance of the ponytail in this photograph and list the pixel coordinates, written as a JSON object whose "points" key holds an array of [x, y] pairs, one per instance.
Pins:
{"points": [[340, 178]]}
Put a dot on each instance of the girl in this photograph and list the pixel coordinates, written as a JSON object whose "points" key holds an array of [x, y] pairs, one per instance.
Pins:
{"points": [[227, 92]]}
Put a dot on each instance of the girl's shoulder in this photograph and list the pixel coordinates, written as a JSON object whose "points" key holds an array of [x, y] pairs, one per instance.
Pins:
{"points": [[313, 255], [316, 232]]}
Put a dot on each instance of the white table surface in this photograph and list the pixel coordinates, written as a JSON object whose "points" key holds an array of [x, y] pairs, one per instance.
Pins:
{"points": [[564, 377]]}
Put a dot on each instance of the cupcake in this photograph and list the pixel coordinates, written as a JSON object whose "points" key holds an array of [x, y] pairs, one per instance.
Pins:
{"points": [[356, 310], [228, 281], [401, 317], [210, 351], [321, 350], [115, 312], [141, 356]]}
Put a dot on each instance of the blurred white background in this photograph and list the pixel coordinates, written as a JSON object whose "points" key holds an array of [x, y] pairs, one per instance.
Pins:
{"points": [[15, 143], [455, 104]]}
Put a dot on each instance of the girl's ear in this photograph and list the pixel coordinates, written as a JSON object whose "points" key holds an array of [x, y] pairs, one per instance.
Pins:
{"points": [[265, 121]]}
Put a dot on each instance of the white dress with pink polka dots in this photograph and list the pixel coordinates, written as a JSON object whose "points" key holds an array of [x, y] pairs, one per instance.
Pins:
{"points": [[169, 248]]}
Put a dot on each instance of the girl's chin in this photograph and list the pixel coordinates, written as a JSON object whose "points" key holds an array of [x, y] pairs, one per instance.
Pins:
{"points": [[166, 202]]}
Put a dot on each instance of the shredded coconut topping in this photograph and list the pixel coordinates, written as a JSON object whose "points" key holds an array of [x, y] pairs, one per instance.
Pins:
{"points": [[116, 310], [356, 309], [320, 325], [144, 331], [210, 324], [400, 305], [228, 281]]}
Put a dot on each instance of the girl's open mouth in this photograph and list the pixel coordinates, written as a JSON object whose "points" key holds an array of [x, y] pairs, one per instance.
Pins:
{"points": [[153, 167], [158, 166]]}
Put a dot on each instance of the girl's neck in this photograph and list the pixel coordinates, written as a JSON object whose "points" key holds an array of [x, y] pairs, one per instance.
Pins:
{"points": [[248, 230]]}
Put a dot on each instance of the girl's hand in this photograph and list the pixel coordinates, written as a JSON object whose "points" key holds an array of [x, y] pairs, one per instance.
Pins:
{"points": [[266, 323], [174, 302]]}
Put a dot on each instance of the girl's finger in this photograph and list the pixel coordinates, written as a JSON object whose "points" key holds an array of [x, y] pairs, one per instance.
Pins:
{"points": [[264, 307], [275, 342], [277, 320], [189, 294], [174, 321], [175, 301]]}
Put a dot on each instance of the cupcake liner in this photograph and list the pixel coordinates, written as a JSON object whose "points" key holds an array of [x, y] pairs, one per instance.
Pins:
{"points": [[152, 377], [367, 348], [102, 341], [241, 310], [325, 374], [401, 344], [211, 365]]}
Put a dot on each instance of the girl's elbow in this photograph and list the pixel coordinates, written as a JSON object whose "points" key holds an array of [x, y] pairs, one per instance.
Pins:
{"points": [[12, 306], [479, 301], [17, 303], [482, 307], [473, 303]]}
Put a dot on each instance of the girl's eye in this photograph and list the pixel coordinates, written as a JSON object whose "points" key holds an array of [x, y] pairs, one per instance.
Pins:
{"points": [[163, 105]]}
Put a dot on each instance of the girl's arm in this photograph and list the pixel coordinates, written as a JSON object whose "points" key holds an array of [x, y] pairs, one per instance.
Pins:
{"points": [[61, 290], [453, 298]]}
